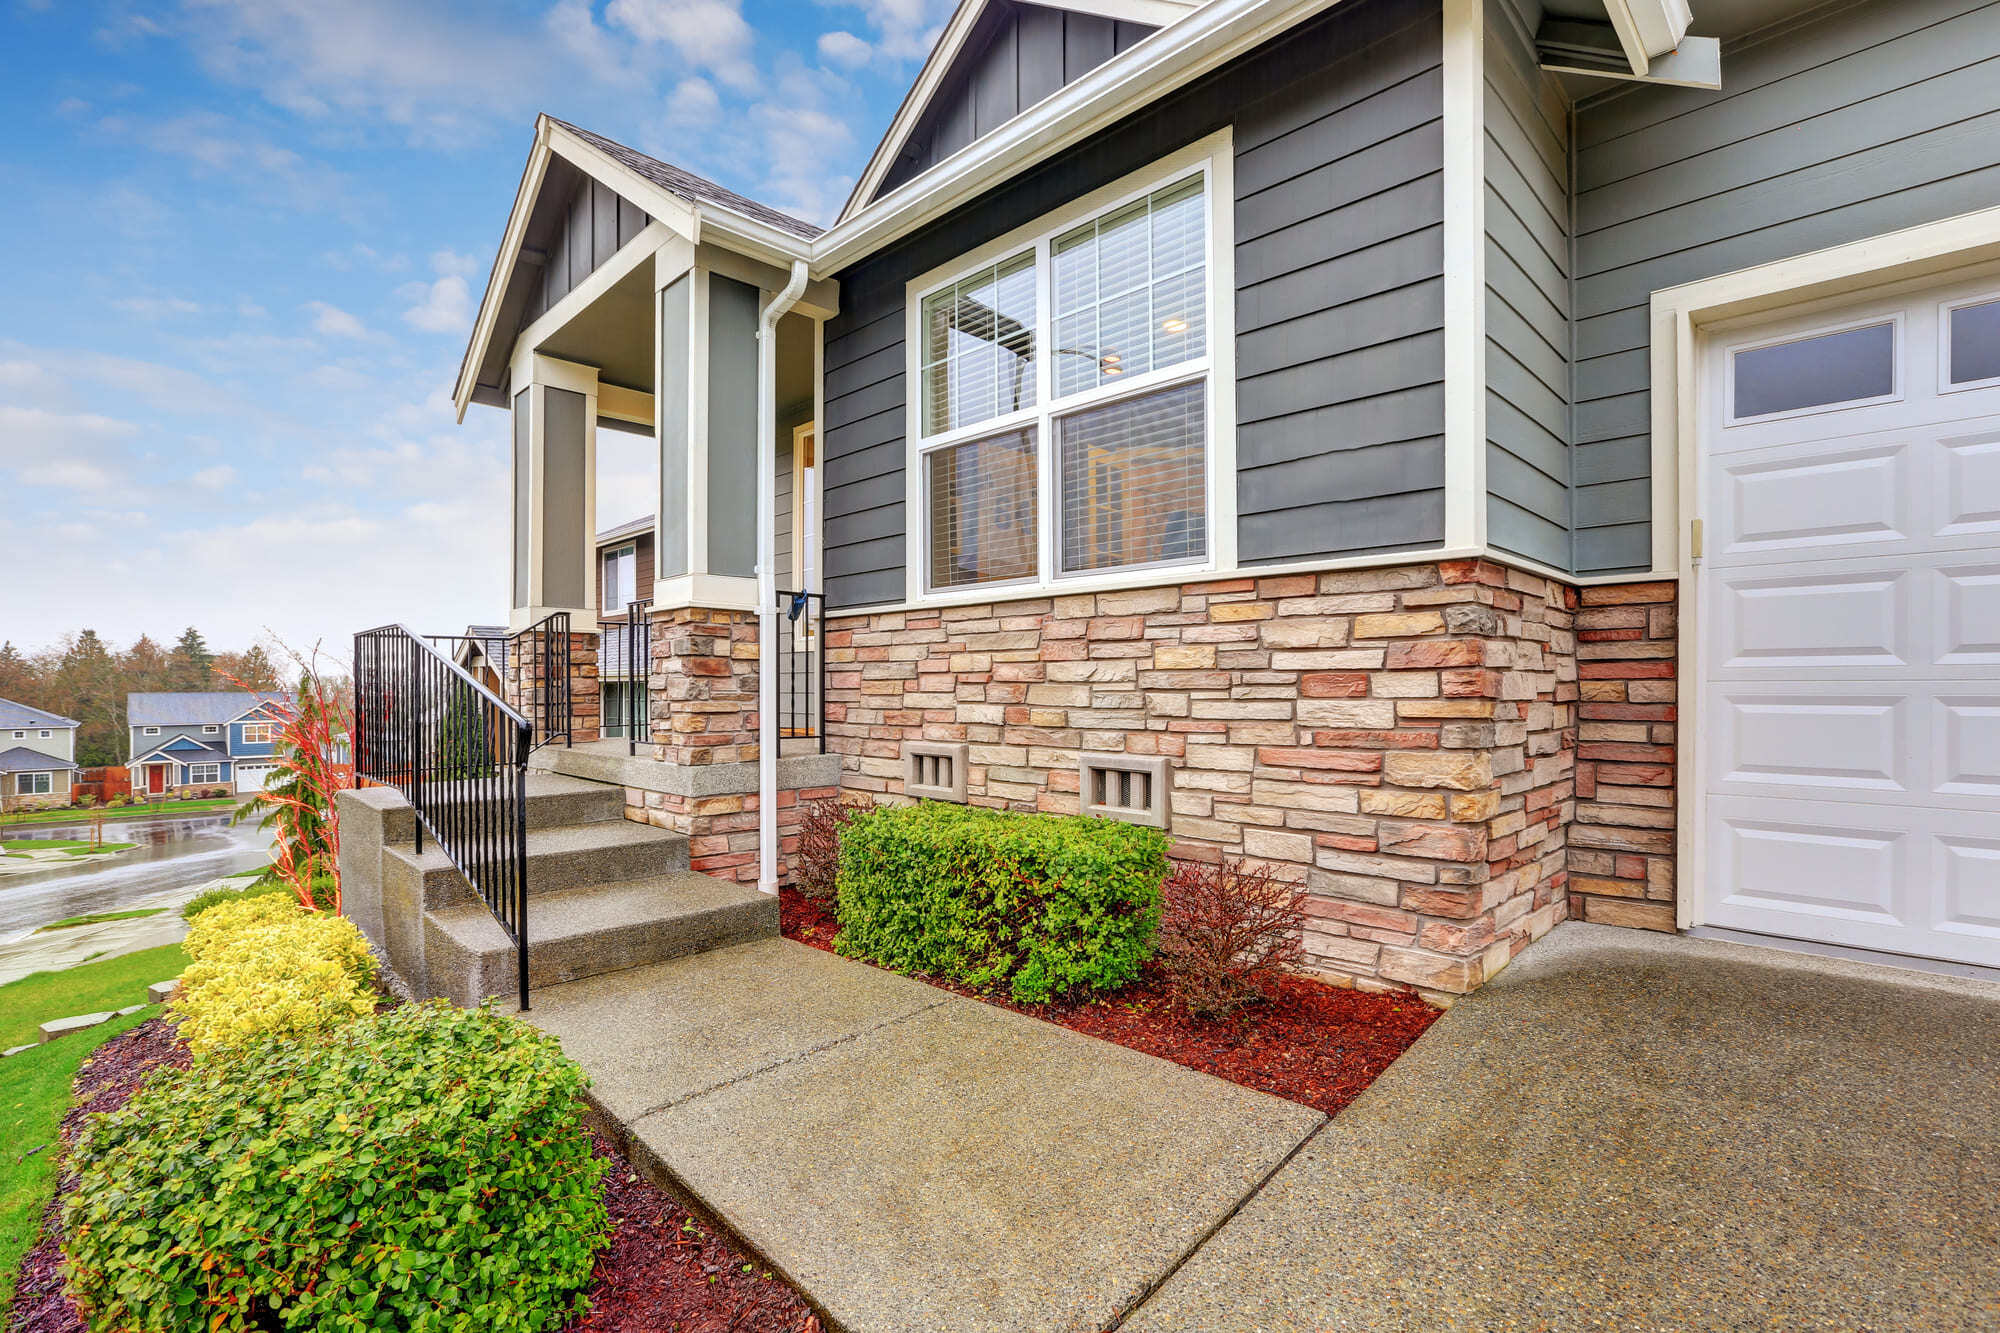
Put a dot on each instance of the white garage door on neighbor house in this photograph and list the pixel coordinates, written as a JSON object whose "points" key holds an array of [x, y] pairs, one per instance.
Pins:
{"points": [[1849, 634], [252, 777]]}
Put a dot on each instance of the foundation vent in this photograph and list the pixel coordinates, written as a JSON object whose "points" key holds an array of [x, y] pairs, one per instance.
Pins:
{"points": [[1121, 786], [934, 770]]}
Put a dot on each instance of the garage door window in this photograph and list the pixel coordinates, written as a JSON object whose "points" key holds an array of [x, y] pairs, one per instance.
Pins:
{"points": [[1972, 332], [1838, 369]]}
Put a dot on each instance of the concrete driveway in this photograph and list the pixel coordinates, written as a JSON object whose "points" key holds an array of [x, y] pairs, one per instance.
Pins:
{"points": [[1638, 1132]]}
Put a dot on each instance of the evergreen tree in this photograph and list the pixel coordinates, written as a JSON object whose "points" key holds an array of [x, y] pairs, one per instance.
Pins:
{"points": [[91, 690], [252, 668], [192, 662]]}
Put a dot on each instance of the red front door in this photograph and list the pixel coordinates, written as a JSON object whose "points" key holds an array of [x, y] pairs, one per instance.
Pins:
{"points": [[156, 778]]}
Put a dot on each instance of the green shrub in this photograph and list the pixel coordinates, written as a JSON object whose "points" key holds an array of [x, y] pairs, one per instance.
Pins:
{"points": [[425, 1169], [267, 966], [261, 888], [1044, 905]]}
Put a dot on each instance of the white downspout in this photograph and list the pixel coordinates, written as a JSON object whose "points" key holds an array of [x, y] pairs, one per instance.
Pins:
{"points": [[768, 739]]}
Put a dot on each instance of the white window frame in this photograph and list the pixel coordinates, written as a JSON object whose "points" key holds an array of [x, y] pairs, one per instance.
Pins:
{"points": [[1945, 309], [260, 733], [20, 735], [1211, 158], [47, 734], [149, 731], [211, 729], [195, 776], [1898, 349], [47, 785]]}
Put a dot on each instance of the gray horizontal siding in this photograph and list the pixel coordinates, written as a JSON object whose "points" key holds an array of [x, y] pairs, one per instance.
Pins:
{"points": [[1015, 56], [1866, 119], [1339, 304], [1527, 299]]}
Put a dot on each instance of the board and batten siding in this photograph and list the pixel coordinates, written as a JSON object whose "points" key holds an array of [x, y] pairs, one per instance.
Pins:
{"points": [[595, 223], [1857, 122], [1017, 55], [1527, 297], [1339, 305]]}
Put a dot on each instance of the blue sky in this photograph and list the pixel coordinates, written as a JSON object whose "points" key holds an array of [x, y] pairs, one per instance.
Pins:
{"points": [[246, 238]]}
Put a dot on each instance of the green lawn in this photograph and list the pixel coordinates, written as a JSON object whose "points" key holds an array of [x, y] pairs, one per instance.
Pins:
{"points": [[95, 917], [64, 845], [140, 811], [88, 988], [34, 1094]]}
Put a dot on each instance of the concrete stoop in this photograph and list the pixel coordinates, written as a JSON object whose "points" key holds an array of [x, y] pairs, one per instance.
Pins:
{"points": [[604, 894]]}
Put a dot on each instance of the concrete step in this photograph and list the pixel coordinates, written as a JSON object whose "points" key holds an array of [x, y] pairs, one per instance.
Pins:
{"points": [[572, 857], [586, 932], [553, 802]]}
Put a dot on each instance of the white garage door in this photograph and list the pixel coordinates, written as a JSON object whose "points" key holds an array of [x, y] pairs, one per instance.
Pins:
{"points": [[1849, 709], [254, 777]]}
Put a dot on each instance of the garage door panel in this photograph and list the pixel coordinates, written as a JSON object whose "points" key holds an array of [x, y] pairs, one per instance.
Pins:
{"points": [[1968, 616], [1768, 619], [1970, 875], [1833, 741], [1966, 739], [1967, 485], [1805, 499]]}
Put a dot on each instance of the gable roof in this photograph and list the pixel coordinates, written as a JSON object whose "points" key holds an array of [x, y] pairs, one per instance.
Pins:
{"points": [[22, 715], [183, 750], [20, 759], [634, 528], [491, 643], [192, 708], [687, 186], [936, 77]]}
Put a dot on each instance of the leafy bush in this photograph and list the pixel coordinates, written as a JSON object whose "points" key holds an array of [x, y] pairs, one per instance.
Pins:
{"points": [[264, 965], [1044, 905], [1227, 932], [818, 858], [425, 1169], [260, 888]]}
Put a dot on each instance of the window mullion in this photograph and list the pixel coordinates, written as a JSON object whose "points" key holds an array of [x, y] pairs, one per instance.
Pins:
{"points": [[1048, 501]]}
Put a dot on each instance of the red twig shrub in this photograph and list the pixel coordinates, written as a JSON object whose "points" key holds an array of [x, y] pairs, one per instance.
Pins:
{"points": [[1227, 932], [299, 807], [818, 858]]}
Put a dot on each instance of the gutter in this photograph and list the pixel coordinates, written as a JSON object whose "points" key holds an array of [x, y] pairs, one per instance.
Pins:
{"points": [[768, 739]]}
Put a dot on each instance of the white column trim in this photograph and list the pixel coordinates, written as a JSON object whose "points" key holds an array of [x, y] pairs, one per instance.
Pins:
{"points": [[1464, 273]]}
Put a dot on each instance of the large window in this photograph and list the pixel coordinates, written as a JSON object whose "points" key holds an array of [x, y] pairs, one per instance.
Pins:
{"points": [[204, 773], [259, 733], [1064, 408], [34, 784]]}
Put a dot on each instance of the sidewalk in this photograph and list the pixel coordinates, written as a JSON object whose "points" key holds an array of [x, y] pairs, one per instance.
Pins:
{"points": [[910, 1159], [54, 950]]}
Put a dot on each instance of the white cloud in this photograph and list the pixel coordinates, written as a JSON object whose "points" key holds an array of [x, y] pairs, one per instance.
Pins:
{"points": [[708, 34], [214, 478], [907, 28], [693, 104], [444, 306], [334, 322], [844, 49], [219, 145]]}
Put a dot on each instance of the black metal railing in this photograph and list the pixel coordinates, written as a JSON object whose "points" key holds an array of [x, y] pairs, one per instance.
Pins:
{"points": [[424, 726], [624, 658], [802, 669], [548, 703]]}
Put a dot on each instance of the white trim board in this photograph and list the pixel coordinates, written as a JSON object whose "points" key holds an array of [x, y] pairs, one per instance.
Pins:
{"points": [[1681, 319]]}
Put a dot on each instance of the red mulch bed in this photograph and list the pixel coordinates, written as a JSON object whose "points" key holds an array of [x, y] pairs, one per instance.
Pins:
{"points": [[664, 1271], [1312, 1043]]}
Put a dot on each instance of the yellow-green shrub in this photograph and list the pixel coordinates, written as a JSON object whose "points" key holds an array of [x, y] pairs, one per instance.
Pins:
{"points": [[266, 965]]}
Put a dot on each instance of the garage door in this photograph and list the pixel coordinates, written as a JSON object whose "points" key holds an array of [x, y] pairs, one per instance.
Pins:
{"points": [[254, 777], [1849, 658]]}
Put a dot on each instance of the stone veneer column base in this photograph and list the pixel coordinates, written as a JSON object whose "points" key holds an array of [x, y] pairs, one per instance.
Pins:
{"points": [[523, 687], [1402, 740], [715, 806]]}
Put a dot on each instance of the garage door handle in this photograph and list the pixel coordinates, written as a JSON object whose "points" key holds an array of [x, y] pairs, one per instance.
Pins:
{"points": [[1694, 540]]}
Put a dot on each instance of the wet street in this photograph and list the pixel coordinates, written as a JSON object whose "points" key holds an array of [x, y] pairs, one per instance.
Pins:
{"points": [[172, 853]]}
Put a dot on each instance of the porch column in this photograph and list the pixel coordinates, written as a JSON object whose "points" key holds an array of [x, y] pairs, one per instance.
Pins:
{"points": [[554, 492]]}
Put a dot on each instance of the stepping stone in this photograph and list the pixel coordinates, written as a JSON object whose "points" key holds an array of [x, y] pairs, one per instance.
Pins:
{"points": [[128, 1011], [162, 991], [61, 1027], [15, 1050]]}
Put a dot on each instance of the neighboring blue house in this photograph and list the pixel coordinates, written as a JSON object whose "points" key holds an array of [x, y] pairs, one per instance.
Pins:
{"points": [[202, 740]]}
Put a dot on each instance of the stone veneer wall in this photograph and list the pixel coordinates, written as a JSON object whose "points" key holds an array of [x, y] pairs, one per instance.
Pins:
{"points": [[523, 685], [1622, 843], [1401, 739]]}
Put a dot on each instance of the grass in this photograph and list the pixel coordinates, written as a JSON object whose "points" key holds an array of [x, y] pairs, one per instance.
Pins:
{"points": [[141, 810], [87, 988], [34, 1095], [62, 845], [95, 917]]}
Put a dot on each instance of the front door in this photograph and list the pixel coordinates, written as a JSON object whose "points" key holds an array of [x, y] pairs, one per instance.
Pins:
{"points": [[1849, 625], [156, 779]]}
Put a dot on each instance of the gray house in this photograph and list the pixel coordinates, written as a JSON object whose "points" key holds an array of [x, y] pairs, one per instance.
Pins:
{"points": [[200, 740], [37, 757], [1495, 461]]}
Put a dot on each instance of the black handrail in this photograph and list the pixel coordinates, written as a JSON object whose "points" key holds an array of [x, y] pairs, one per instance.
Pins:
{"points": [[802, 683], [549, 702], [638, 667], [424, 726]]}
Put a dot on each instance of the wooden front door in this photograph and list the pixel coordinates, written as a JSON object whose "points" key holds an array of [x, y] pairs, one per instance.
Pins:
{"points": [[156, 778]]}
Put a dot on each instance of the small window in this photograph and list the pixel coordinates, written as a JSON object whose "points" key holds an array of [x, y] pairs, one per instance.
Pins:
{"points": [[150, 731], [1974, 331], [621, 577], [259, 733], [20, 735], [1825, 370], [210, 730], [1128, 787], [934, 770], [34, 784], [46, 733]]}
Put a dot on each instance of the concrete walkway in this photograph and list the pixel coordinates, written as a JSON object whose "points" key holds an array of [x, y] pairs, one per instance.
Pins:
{"points": [[1634, 1131], [913, 1160]]}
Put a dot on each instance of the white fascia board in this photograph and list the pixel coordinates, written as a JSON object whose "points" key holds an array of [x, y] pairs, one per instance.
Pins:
{"points": [[1648, 29], [1209, 37], [1695, 63], [662, 205], [716, 225]]}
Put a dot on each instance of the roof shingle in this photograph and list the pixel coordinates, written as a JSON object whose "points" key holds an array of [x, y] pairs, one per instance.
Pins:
{"points": [[695, 189]]}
